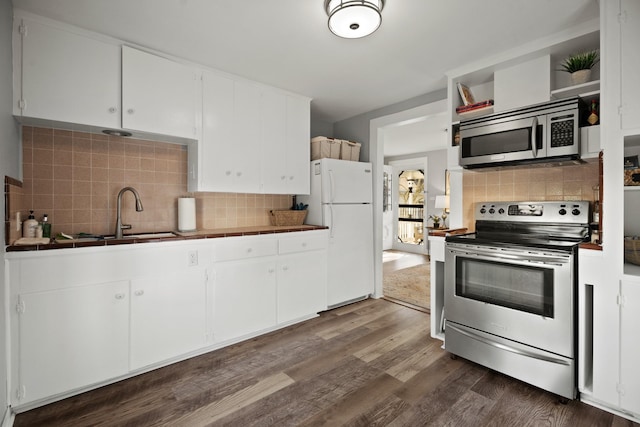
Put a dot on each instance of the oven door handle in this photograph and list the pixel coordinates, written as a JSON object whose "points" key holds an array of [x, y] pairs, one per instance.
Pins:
{"points": [[521, 352], [513, 257], [534, 138]]}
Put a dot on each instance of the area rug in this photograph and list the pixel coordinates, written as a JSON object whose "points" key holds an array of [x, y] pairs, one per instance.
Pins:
{"points": [[411, 285]]}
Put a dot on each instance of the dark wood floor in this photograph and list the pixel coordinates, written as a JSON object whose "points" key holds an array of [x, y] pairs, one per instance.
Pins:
{"points": [[367, 364]]}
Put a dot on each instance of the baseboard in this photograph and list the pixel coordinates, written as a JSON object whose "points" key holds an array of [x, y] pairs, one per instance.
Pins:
{"points": [[616, 411], [8, 417]]}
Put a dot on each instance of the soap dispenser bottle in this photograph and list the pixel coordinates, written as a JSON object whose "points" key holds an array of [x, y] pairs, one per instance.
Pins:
{"points": [[46, 226], [29, 226]]}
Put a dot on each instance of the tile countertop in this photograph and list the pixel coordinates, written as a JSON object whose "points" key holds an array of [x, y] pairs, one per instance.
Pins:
{"points": [[202, 234]]}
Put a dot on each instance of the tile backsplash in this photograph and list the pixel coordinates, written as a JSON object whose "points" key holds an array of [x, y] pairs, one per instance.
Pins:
{"points": [[567, 182], [75, 177]]}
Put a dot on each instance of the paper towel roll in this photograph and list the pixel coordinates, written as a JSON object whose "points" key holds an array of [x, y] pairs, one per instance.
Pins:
{"points": [[186, 214]]}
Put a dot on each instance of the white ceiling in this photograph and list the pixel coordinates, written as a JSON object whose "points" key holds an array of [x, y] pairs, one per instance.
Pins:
{"points": [[417, 137], [286, 43]]}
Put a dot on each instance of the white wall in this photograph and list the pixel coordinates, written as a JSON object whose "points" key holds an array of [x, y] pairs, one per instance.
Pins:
{"points": [[357, 128], [9, 164]]}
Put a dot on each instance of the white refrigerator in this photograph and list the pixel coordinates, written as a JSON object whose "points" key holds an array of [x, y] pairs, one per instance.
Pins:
{"points": [[341, 196]]}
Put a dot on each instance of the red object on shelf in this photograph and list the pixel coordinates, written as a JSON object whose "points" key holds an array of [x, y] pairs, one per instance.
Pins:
{"points": [[476, 106]]}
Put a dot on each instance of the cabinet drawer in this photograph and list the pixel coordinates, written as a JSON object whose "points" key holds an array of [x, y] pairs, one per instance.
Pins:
{"points": [[302, 243], [231, 248]]}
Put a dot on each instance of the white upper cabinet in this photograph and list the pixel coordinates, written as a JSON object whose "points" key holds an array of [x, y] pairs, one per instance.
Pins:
{"points": [[216, 149], [285, 143], [228, 155], [66, 77], [245, 164], [159, 95], [298, 145], [255, 139], [274, 147], [630, 64]]}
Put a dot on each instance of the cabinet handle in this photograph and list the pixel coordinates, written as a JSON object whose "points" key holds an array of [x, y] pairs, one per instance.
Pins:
{"points": [[285, 268], [138, 292], [238, 173], [131, 111], [291, 178], [249, 250], [113, 110], [271, 270], [120, 295], [304, 244], [227, 173]]}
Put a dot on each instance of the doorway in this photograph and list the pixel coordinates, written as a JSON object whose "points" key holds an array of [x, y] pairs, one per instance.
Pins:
{"points": [[411, 209], [434, 111]]}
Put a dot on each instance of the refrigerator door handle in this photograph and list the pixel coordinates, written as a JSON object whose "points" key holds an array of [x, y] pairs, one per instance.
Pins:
{"points": [[332, 187], [331, 221]]}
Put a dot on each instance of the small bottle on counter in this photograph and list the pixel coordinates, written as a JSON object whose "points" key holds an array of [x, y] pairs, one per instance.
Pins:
{"points": [[46, 226], [29, 226], [39, 231]]}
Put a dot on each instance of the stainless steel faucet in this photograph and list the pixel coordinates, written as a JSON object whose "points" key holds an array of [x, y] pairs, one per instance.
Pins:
{"points": [[119, 225]]}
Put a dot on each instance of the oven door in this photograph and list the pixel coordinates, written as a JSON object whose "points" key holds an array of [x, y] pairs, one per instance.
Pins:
{"points": [[506, 141], [525, 295]]}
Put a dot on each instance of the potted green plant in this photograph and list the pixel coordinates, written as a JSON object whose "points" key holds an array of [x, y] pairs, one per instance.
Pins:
{"points": [[579, 65], [436, 220]]}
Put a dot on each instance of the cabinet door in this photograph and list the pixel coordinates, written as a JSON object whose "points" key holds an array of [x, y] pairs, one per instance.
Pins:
{"points": [[72, 338], [285, 143], [302, 285], [245, 297], [630, 347], [158, 95], [168, 316], [69, 78], [216, 150], [245, 166], [274, 145], [230, 146], [298, 145], [630, 63]]}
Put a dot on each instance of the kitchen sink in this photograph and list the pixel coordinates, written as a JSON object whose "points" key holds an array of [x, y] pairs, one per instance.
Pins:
{"points": [[150, 235], [158, 235], [93, 238]]}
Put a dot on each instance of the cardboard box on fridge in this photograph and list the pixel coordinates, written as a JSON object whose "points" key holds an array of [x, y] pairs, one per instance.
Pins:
{"points": [[323, 147], [350, 150]]}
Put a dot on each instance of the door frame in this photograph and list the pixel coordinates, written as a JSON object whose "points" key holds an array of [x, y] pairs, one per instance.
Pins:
{"points": [[376, 157]]}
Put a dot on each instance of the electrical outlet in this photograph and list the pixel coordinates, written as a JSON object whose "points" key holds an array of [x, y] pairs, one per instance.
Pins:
{"points": [[193, 258]]}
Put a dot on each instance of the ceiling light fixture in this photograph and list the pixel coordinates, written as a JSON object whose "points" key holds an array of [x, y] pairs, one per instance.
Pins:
{"points": [[353, 19]]}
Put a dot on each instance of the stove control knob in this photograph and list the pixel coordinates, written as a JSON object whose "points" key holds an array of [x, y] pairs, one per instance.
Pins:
{"points": [[562, 211], [576, 212], [483, 211], [492, 211], [500, 211]]}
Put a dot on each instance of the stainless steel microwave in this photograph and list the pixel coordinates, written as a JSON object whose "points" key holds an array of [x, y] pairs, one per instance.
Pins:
{"points": [[538, 133]]}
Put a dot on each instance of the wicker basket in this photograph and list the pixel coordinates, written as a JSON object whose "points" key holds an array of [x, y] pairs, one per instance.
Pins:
{"points": [[632, 249], [288, 217]]}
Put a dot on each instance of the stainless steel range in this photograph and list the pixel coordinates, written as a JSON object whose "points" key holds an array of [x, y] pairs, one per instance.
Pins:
{"points": [[510, 291]]}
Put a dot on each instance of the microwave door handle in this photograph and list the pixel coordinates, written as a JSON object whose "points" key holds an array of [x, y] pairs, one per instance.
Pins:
{"points": [[534, 137]]}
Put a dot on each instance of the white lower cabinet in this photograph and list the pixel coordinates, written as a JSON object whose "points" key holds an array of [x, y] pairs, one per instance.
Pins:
{"points": [[108, 312], [608, 345], [245, 297], [630, 346], [302, 276], [70, 338], [270, 280], [168, 316]]}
